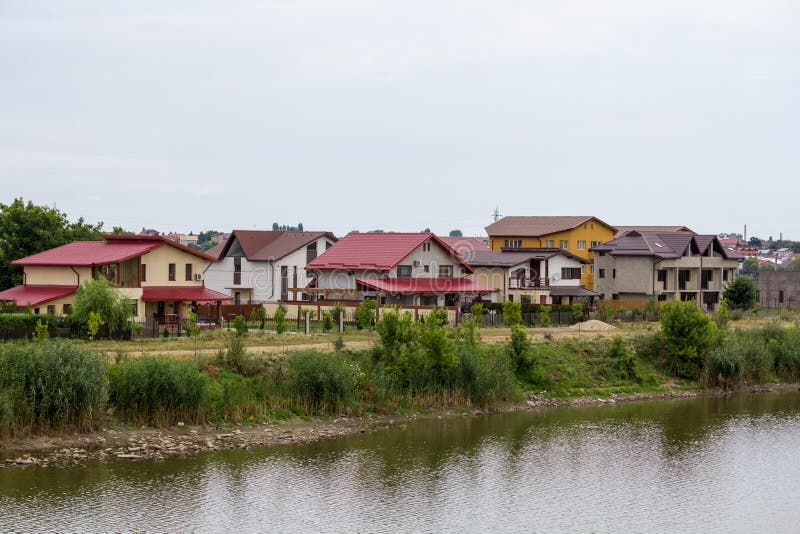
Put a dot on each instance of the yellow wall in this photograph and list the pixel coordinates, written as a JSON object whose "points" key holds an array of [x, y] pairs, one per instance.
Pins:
{"points": [[158, 261], [56, 275], [593, 230]]}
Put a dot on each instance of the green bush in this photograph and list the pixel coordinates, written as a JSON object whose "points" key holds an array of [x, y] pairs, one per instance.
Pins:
{"points": [[544, 316], [623, 359], [327, 321], [786, 354], [365, 315], [158, 390], [109, 306], [323, 383], [52, 385], [518, 349], [688, 335], [239, 326], [21, 321], [741, 293], [280, 319], [512, 313]]}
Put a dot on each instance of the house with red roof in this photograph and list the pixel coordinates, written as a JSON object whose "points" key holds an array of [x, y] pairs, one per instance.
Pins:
{"points": [[260, 266], [161, 278], [409, 269]]}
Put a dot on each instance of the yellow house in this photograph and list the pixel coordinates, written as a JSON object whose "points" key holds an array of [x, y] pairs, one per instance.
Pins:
{"points": [[161, 278], [575, 234]]}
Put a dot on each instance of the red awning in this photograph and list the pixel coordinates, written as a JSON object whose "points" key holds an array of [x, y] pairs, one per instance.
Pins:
{"points": [[425, 285], [35, 295], [181, 293]]}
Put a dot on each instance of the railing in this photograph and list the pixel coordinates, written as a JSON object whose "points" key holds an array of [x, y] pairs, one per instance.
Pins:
{"points": [[528, 283]]}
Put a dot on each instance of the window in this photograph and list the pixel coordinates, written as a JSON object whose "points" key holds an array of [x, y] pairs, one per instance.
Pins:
{"points": [[780, 297], [661, 275], [570, 273], [512, 243], [51, 309], [144, 272], [129, 273], [426, 247], [613, 273], [403, 271], [724, 275], [445, 271], [134, 304], [188, 271], [595, 243], [328, 245], [564, 243], [237, 271], [109, 272], [66, 308], [427, 268], [311, 252], [171, 272], [601, 273], [581, 244], [591, 269]]}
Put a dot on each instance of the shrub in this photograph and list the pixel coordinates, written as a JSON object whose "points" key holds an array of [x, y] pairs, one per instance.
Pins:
{"points": [[741, 293], [512, 313], [280, 319], [721, 317], [52, 385], [577, 312], [327, 321], [41, 332], [786, 354], [486, 375], [24, 321], [544, 316], [688, 336], [365, 314], [395, 331], [623, 359], [477, 310], [158, 390], [239, 326], [518, 349], [324, 383]]}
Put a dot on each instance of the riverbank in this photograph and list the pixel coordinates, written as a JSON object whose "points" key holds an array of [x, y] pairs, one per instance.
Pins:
{"points": [[157, 444]]}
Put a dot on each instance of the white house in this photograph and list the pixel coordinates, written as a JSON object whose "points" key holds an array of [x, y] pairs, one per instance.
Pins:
{"points": [[260, 265]]}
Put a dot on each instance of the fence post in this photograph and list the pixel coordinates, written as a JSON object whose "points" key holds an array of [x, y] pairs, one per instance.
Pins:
{"points": [[307, 317], [341, 322]]}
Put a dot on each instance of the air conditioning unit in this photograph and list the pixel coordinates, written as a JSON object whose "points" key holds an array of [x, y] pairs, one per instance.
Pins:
{"points": [[198, 276], [417, 263]]}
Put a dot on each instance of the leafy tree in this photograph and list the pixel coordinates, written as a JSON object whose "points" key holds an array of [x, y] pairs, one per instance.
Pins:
{"points": [[27, 229], [427, 230], [118, 230], [755, 242], [688, 334], [280, 319], [750, 266], [98, 300], [275, 227], [456, 233], [741, 293], [365, 314]]}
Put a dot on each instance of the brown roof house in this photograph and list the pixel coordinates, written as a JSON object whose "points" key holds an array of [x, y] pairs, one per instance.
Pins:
{"points": [[665, 265], [261, 265]]}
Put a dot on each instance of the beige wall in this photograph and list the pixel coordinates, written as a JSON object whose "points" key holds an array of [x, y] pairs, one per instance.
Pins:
{"points": [[158, 260], [56, 275]]}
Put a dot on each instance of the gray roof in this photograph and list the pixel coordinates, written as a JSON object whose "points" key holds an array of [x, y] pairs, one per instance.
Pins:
{"points": [[510, 258], [624, 229], [572, 291], [664, 245]]}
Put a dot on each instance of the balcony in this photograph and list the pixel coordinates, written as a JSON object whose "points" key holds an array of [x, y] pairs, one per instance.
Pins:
{"points": [[529, 283]]}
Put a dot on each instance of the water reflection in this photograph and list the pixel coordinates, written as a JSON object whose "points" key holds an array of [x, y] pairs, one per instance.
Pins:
{"points": [[695, 464]]}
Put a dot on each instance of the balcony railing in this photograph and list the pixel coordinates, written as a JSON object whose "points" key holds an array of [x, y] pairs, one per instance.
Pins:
{"points": [[528, 283]]}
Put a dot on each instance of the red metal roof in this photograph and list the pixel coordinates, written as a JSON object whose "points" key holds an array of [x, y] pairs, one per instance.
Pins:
{"points": [[426, 285], [86, 253], [378, 251], [114, 248], [35, 295], [196, 293]]}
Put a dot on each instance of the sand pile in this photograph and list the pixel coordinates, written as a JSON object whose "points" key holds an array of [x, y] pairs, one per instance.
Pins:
{"points": [[593, 325]]}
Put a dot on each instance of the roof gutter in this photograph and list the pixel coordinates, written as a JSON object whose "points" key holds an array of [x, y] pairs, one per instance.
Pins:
{"points": [[77, 275]]}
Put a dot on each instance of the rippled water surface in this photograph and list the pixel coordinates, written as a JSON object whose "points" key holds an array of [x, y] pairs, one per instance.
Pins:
{"points": [[722, 465]]}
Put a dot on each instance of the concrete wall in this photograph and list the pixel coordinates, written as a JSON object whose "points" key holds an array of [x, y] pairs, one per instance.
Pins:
{"points": [[770, 284]]}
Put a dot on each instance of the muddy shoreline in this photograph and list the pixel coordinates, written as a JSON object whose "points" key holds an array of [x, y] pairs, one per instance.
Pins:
{"points": [[146, 443]]}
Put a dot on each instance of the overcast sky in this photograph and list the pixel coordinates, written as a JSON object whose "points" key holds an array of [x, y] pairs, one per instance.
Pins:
{"points": [[402, 115]]}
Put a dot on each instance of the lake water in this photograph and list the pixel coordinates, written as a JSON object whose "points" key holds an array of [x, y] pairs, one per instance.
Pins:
{"points": [[715, 464]]}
